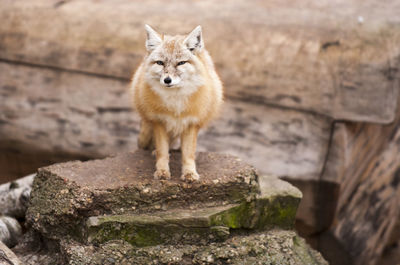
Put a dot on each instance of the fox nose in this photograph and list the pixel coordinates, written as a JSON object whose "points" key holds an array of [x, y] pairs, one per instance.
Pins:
{"points": [[167, 80]]}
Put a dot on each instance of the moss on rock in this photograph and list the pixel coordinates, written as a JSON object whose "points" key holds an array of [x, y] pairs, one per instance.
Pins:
{"points": [[195, 226]]}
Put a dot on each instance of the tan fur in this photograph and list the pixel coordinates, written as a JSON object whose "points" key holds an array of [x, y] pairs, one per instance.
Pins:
{"points": [[179, 111]]}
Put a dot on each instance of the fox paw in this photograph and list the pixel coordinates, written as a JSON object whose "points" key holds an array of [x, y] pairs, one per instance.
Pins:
{"points": [[190, 176], [162, 174]]}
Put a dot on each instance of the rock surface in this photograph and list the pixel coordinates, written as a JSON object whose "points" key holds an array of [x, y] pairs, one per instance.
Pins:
{"points": [[271, 247], [112, 211]]}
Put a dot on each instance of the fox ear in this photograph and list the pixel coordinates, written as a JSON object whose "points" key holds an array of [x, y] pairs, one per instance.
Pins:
{"points": [[153, 38], [194, 41]]}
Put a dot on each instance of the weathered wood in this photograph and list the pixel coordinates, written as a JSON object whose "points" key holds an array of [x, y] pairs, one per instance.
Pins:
{"points": [[10, 231], [7, 257], [60, 113], [369, 202], [391, 253], [319, 60], [14, 196]]}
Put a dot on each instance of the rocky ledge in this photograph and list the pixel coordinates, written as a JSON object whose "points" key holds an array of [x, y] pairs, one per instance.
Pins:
{"points": [[112, 211]]}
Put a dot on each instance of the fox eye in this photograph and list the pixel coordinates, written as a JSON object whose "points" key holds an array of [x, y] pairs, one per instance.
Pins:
{"points": [[160, 62], [181, 63]]}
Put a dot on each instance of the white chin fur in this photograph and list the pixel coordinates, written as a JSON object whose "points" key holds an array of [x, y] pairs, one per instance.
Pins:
{"points": [[175, 98]]}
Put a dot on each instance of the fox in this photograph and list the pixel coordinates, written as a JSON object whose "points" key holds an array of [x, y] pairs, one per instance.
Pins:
{"points": [[177, 92]]}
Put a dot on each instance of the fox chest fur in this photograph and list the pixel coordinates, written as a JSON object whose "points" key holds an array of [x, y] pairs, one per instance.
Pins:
{"points": [[195, 101]]}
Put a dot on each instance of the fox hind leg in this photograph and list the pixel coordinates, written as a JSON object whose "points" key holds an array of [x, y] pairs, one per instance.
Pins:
{"points": [[145, 140]]}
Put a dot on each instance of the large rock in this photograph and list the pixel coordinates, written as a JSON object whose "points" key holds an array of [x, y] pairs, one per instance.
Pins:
{"points": [[64, 194], [89, 209]]}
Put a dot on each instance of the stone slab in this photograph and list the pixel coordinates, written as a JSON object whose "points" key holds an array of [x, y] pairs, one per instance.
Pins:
{"points": [[172, 227], [63, 194], [275, 206]]}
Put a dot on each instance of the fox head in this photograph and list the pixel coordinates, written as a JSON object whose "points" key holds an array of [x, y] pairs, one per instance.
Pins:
{"points": [[173, 62]]}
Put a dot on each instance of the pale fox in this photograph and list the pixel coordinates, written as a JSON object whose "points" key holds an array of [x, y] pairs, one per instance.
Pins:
{"points": [[176, 92]]}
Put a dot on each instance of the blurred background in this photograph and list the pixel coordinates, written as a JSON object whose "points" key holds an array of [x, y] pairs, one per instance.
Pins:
{"points": [[311, 87]]}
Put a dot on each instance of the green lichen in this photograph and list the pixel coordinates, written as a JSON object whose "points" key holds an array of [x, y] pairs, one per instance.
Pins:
{"points": [[143, 237], [260, 214], [279, 212], [151, 234], [234, 217], [135, 235]]}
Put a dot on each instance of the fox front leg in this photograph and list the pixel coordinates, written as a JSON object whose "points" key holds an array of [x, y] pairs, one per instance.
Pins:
{"points": [[162, 155], [188, 148]]}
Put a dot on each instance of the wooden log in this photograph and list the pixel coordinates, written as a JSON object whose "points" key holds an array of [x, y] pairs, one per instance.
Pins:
{"points": [[7, 257], [369, 202], [14, 196], [319, 60], [391, 253], [66, 114], [10, 231]]}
